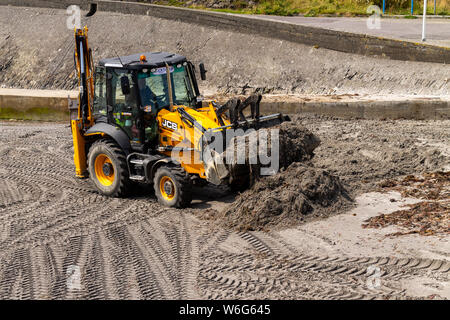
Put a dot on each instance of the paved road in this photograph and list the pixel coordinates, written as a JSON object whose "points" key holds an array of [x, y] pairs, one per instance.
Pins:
{"points": [[438, 30]]}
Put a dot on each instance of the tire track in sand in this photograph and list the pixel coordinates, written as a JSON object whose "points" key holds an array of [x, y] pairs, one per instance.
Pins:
{"points": [[134, 248], [127, 248]]}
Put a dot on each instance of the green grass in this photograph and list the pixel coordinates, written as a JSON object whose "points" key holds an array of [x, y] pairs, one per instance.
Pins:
{"points": [[312, 8]]}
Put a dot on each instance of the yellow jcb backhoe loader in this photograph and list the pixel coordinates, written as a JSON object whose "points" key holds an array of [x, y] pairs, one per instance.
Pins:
{"points": [[140, 119]]}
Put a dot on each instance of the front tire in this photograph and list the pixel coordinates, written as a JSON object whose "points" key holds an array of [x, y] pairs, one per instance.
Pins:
{"points": [[108, 168], [172, 187]]}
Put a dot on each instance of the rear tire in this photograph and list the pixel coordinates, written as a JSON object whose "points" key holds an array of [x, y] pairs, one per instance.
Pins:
{"points": [[108, 168], [172, 187]]}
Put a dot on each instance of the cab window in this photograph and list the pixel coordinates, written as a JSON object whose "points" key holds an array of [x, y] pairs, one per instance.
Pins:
{"points": [[99, 106], [124, 106], [154, 89]]}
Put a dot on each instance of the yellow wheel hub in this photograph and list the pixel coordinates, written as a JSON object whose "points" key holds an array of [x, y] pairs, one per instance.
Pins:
{"points": [[167, 188], [104, 170]]}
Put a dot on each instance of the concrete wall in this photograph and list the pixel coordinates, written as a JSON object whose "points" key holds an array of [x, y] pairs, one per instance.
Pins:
{"points": [[380, 110], [48, 105], [330, 39], [35, 105]]}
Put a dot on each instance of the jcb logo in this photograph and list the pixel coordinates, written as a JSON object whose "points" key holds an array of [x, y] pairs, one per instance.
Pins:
{"points": [[169, 124]]}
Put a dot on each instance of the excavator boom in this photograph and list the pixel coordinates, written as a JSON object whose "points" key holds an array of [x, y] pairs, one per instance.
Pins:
{"points": [[84, 120]]}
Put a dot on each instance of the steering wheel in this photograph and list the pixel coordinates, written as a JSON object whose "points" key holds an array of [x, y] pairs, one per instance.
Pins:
{"points": [[160, 97]]}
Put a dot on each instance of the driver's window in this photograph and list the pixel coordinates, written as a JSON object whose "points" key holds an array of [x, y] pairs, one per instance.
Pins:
{"points": [[124, 102], [124, 105], [99, 107]]}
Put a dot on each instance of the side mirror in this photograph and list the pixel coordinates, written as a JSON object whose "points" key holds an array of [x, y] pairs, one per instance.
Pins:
{"points": [[202, 71], [125, 85]]}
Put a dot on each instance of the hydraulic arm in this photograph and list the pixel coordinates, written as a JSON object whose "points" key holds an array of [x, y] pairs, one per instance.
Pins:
{"points": [[84, 68]]}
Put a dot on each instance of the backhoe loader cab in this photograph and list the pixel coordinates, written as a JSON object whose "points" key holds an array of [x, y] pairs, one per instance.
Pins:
{"points": [[130, 91], [140, 119]]}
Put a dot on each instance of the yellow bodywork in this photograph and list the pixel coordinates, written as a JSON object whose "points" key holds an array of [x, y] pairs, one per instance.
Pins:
{"points": [[103, 178], [79, 153], [168, 195], [77, 125], [186, 136]]}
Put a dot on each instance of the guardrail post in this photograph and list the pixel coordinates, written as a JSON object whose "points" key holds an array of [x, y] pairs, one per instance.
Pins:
{"points": [[424, 19]]}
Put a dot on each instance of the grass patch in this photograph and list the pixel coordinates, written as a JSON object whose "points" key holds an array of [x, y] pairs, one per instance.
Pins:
{"points": [[278, 8], [312, 8]]}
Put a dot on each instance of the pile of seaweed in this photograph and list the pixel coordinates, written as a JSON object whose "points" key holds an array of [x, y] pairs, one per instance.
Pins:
{"points": [[296, 193]]}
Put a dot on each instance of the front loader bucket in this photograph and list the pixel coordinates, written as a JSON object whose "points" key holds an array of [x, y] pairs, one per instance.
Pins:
{"points": [[266, 121], [215, 143], [257, 123], [215, 168]]}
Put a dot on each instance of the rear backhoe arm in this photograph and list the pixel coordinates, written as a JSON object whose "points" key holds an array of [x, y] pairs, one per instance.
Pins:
{"points": [[84, 68]]}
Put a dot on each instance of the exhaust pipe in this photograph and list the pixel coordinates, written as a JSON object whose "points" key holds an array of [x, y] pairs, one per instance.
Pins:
{"points": [[92, 9]]}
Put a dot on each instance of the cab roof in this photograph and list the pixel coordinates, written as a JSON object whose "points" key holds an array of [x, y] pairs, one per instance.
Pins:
{"points": [[154, 60]]}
